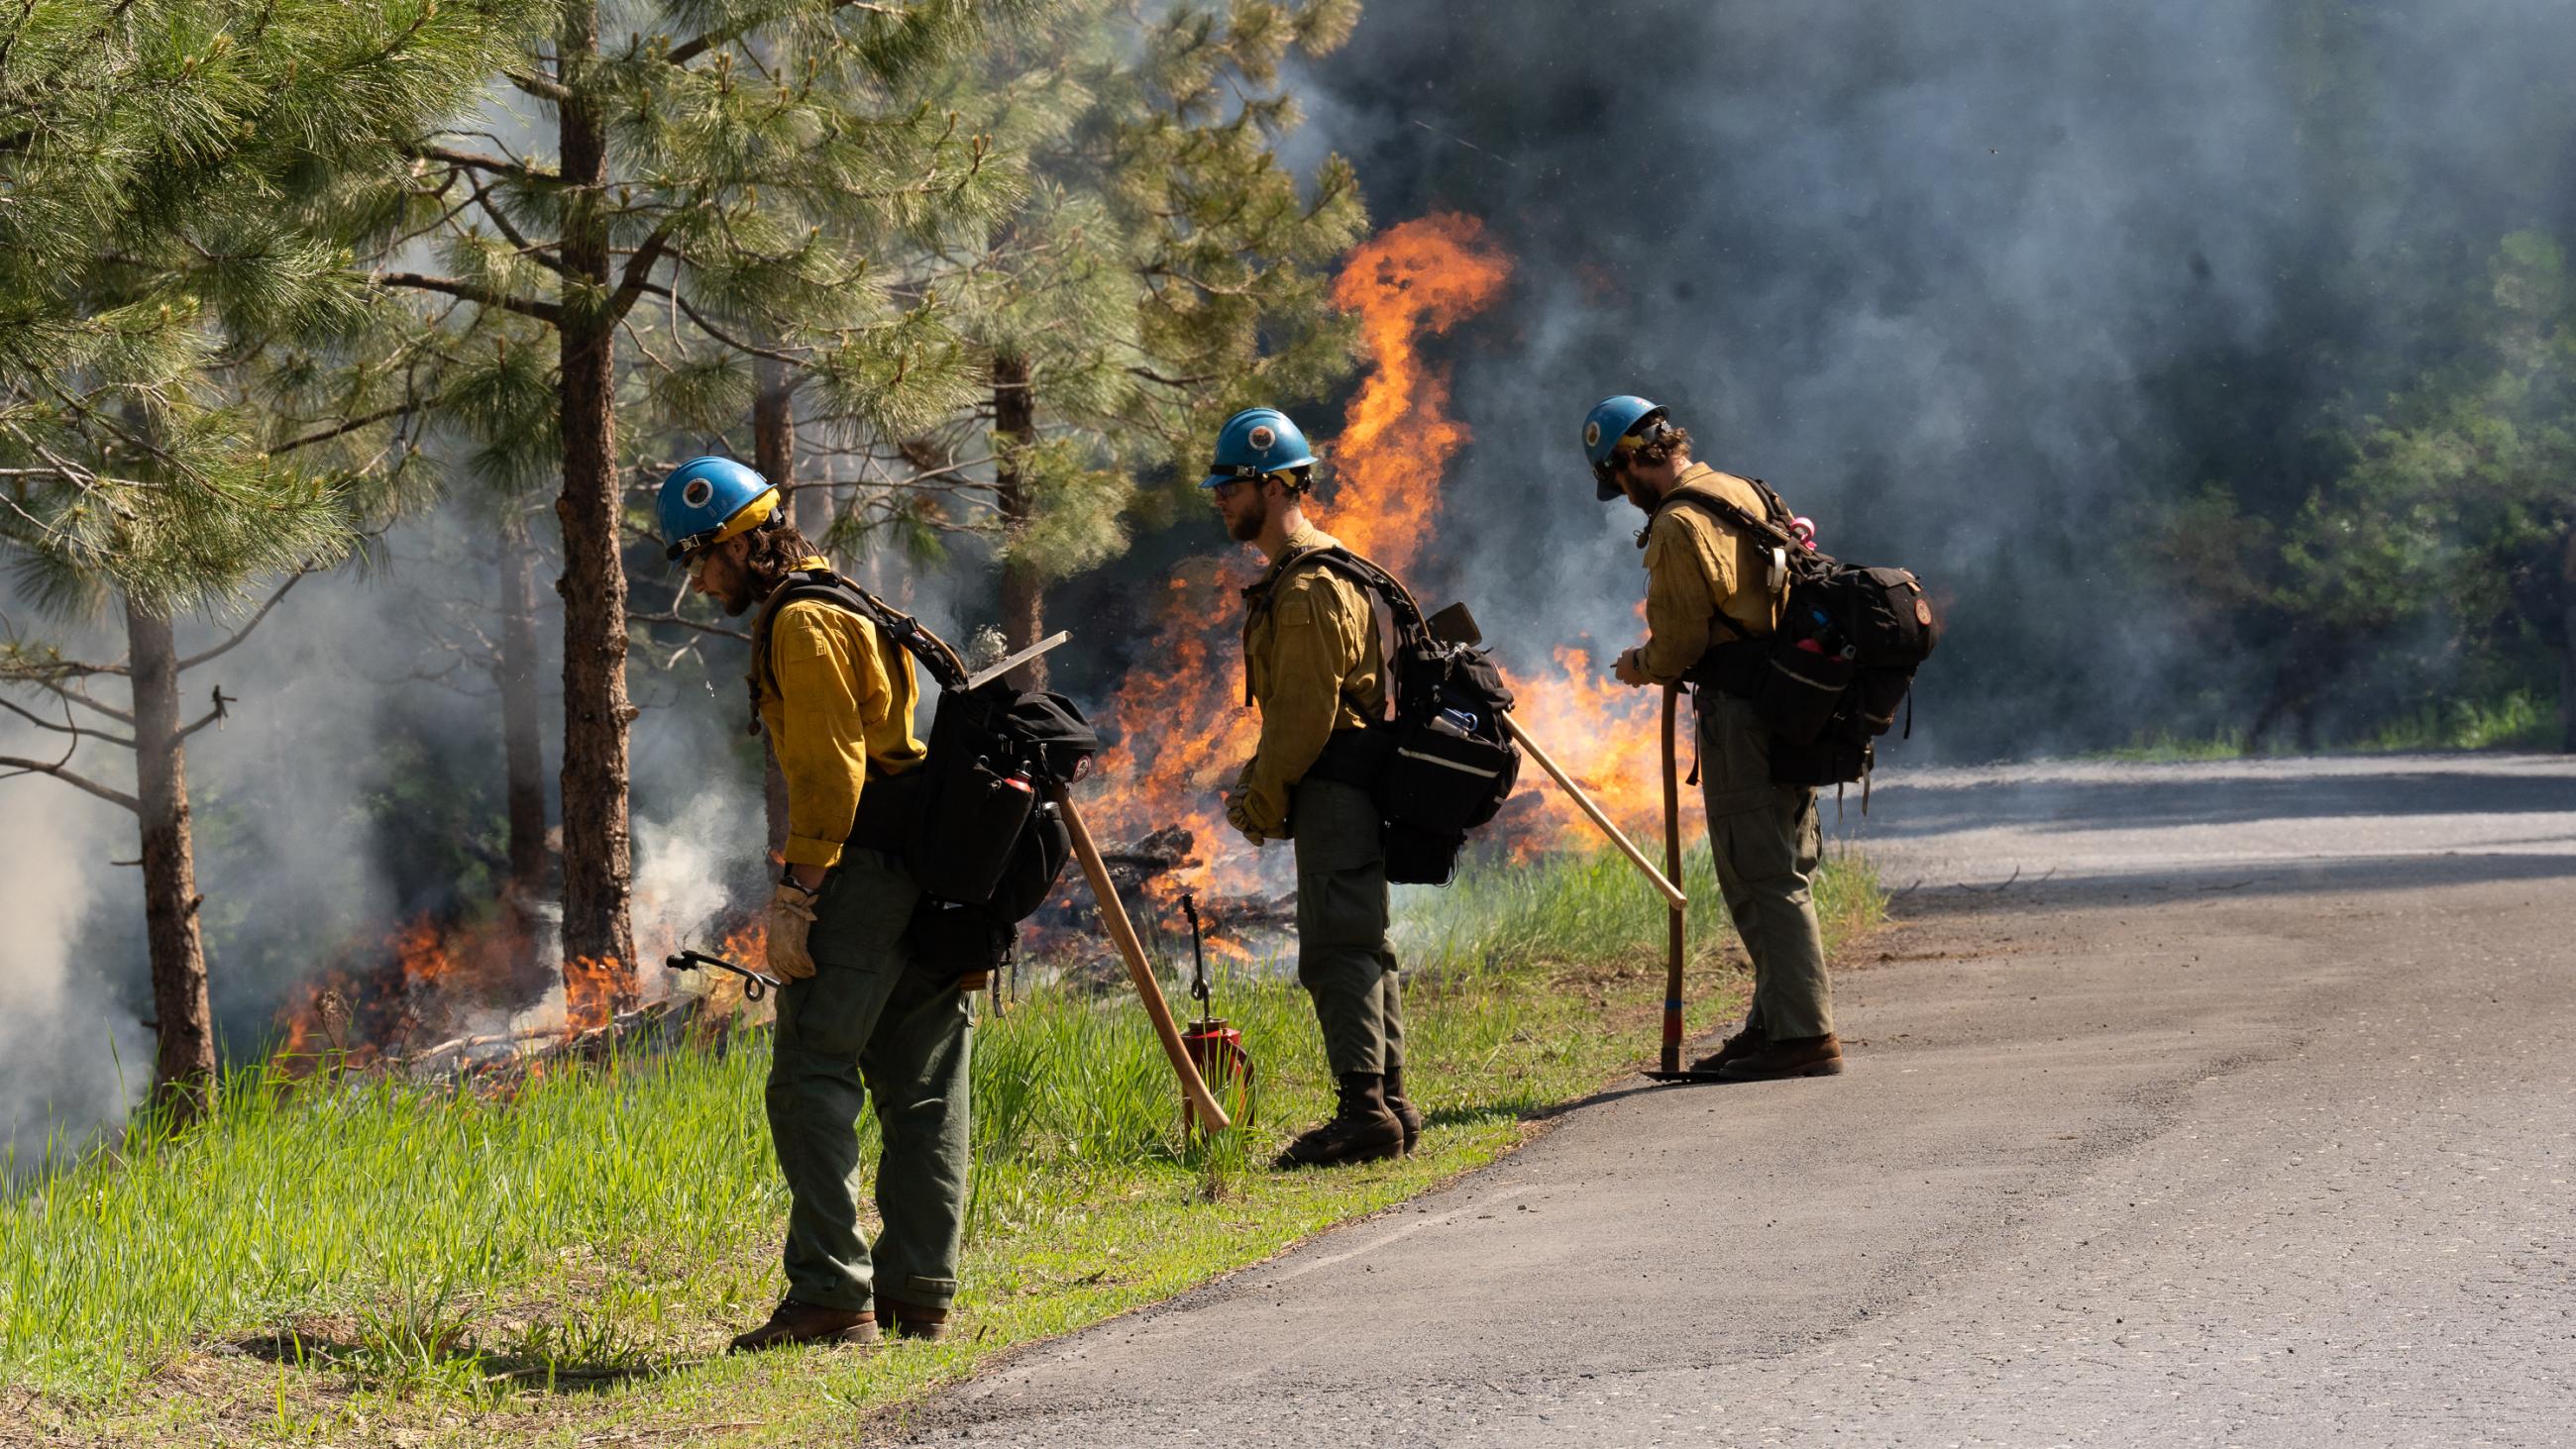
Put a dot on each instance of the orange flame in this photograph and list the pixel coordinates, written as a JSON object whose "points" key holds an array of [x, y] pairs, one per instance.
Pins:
{"points": [[1424, 276], [595, 990], [1184, 729]]}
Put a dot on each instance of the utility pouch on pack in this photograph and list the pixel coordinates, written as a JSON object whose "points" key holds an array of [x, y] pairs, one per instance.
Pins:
{"points": [[1832, 760], [1440, 765], [967, 823], [1797, 692], [1830, 678], [963, 840], [957, 939], [1876, 695], [1419, 856], [1443, 779]]}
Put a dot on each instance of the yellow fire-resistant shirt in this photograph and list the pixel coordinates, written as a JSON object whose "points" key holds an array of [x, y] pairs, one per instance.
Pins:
{"points": [[1314, 665], [1697, 568], [837, 701]]}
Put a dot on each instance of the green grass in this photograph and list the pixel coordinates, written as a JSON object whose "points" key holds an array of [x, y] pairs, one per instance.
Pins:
{"points": [[2517, 721], [2520, 720], [370, 1261]]}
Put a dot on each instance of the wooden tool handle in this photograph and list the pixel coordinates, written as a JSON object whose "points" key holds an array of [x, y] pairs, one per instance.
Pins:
{"points": [[1671, 892], [1674, 934], [1122, 934]]}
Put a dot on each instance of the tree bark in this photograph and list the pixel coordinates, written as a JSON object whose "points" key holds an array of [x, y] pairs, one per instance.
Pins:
{"points": [[1023, 589], [183, 1068], [597, 853], [514, 673], [773, 452]]}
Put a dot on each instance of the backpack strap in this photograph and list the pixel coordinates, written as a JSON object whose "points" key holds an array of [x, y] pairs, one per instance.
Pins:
{"points": [[1773, 530], [831, 588], [1411, 633]]}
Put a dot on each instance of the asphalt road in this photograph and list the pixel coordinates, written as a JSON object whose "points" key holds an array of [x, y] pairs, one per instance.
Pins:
{"points": [[2188, 1105]]}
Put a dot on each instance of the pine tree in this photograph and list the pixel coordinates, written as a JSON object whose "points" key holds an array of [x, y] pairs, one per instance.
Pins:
{"points": [[721, 186], [1164, 270], [191, 395]]}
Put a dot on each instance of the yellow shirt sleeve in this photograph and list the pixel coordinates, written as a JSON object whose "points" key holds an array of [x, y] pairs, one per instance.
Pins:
{"points": [[1686, 576], [1311, 652], [832, 686]]}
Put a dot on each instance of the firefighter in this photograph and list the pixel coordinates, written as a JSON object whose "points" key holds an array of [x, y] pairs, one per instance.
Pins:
{"points": [[1313, 666], [836, 698], [1708, 587]]}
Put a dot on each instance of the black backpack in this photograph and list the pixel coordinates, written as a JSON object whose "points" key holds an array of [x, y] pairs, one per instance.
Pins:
{"points": [[1830, 679], [1439, 765], [972, 823]]}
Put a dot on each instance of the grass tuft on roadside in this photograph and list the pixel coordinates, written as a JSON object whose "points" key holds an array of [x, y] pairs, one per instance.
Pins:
{"points": [[370, 1260]]}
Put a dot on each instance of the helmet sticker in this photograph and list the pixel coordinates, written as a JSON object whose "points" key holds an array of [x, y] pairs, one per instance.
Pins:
{"points": [[698, 491], [1261, 437], [1592, 433]]}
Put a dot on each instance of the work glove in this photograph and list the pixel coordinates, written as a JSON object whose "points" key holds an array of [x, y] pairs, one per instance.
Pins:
{"points": [[789, 918], [1238, 816]]}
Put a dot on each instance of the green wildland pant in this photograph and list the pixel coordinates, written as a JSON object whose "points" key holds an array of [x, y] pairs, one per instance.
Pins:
{"points": [[1767, 840], [870, 1015], [1343, 959]]}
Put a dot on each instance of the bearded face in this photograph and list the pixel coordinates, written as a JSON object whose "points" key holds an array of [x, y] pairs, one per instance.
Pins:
{"points": [[719, 574], [1244, 504]]}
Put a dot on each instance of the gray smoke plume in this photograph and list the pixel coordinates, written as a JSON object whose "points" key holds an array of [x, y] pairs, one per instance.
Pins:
{"points": [[1979, 287], [73, 1055]]}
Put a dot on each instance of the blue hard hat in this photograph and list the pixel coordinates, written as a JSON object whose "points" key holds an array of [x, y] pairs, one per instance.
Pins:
{"points": [[1611, 419], [1255, 442], [705, 501]]}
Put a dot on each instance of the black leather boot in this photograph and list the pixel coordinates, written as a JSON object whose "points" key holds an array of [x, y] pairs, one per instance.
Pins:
{"points": [[1403, 1108], [1363, 1130]]}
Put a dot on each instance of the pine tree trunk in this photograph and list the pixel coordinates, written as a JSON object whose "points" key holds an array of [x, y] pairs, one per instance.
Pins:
{"points": [[597, 860], [514, 673], [184, 1065], [773, 452], [1023, 591]]}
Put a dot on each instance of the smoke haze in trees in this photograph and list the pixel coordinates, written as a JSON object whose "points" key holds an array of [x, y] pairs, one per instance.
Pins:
{"points": [[355, 788], [1979, 287], [64, 1039]]}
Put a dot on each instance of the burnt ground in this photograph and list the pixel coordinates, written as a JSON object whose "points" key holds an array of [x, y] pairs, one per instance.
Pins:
{"points": [[2226, 1104]]}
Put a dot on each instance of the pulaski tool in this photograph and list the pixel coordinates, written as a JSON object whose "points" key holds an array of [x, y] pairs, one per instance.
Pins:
{"points": [[1214, 1045], [755, 984], [1122, 934], [1457, 625], [1676, 937]]}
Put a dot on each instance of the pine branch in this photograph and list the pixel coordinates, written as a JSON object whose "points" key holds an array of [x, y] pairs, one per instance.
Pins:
{"points": [[689, 50], [736, 343], [351, 426], [223, 703], [67, 727], [550, 313], [634, 617], [541, 252], [81, 698], [639, 269], [244, 632], [538, 86], [17, 766], [1150, 375]]}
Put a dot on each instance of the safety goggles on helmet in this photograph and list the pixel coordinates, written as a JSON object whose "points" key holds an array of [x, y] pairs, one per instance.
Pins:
{"points": [[1645, 430], [752, 515]]}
